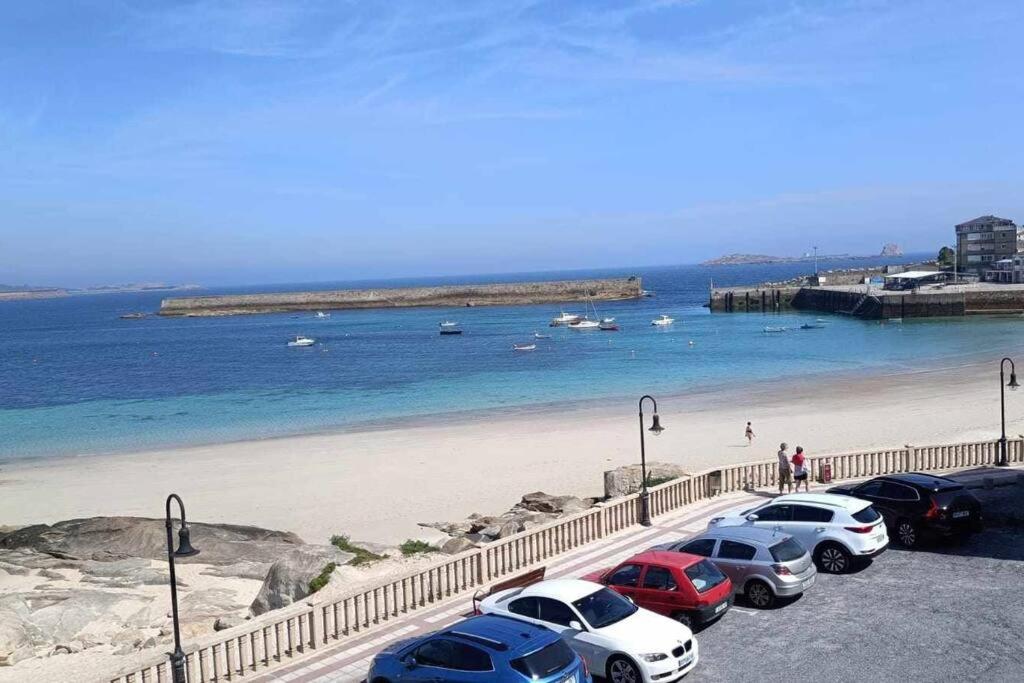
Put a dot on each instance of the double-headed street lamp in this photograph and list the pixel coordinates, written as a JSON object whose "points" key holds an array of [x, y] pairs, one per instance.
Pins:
{"points": [[185, 549], [1003, 461], [655, 428]]}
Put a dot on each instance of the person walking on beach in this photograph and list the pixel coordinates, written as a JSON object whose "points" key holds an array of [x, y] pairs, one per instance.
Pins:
{"points": [[785, 473], [800, 470], [750, 435]]}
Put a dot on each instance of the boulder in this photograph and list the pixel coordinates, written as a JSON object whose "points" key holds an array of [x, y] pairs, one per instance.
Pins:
{"points": [[543, 502], [107, 539], [15, 640], [626, 480], [289, 577], [456, 545], [224, 623]]}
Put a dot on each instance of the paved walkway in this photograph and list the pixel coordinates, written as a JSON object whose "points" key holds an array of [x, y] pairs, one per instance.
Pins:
{"points": [[348, 660]]}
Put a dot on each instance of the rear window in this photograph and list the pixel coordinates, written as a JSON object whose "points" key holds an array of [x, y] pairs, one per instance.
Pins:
{"points": [[546, 661], [867, 515], [704, 576], [787, 550]]}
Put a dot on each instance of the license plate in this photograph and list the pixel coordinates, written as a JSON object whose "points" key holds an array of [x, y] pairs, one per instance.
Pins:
{"points": [[961, 514], [685, 661], [721, 608], [808, 583]]}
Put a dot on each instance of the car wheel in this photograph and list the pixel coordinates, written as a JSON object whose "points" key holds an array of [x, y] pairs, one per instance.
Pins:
{"points": [[906, 533], [684, 619], [621, 670], [760, 595], [832, 558]]}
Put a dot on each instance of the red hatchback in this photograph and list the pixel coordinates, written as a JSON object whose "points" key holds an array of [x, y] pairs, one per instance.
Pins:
{"points": [[687, 588]]}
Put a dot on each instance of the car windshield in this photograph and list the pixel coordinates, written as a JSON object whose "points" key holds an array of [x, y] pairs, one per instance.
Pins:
{"points": [[704, 576], [867, 515], [545, 661], [604, 608], [787, 550]]}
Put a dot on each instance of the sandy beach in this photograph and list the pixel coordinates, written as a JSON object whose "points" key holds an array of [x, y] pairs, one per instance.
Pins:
{"points": [[376, 485]]}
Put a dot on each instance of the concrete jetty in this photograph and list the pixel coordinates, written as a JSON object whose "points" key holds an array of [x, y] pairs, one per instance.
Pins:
{"points": [[504, 294]]}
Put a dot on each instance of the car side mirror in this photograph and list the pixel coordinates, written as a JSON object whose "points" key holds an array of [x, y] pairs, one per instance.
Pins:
{"points": [[575, 625], [752, 517], [410, 662], [629, 598]]}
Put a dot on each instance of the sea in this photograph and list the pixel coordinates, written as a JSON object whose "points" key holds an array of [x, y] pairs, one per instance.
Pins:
{"points": [[76, 379]]}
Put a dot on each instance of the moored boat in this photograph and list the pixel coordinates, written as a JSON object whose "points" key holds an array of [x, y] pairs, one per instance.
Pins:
{"points": [[449, 327], [585, 324], [302, 341], [770, 330], [662, 321], [564, 319], [320, 315], [609, 325], [538, 335], [524, 347]]}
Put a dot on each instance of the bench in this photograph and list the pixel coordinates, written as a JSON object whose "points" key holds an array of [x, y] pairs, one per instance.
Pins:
{"points": [[521, 581]]}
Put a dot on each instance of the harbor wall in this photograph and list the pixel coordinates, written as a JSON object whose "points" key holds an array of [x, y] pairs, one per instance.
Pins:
{"points": [[881, 304], [752, 299], [505, 294]]}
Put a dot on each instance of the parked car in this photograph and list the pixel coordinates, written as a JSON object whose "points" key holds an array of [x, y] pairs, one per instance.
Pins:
{"points": [[916, 505], [482, 648], [617, 640], [836, 529], [763, 564], [684, 587]]}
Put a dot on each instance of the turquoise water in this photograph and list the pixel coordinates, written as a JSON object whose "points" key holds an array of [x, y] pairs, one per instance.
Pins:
{"points": [[75, 379]]}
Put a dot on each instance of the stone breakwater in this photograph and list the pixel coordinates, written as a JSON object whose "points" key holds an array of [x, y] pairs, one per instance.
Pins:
{"points": [[505, 294]]}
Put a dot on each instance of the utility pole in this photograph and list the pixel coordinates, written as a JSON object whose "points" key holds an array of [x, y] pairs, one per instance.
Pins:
{"points": [[815, 262]]}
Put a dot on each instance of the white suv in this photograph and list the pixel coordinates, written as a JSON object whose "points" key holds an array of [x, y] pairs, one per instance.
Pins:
{"points": [[835, 529]]}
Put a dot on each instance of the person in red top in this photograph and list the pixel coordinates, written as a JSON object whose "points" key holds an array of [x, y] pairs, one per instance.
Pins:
{"points": [[800, 470]]}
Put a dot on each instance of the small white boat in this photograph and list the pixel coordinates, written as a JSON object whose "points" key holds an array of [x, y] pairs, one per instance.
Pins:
{"points": [[564, 319], [646, 292], [538, 335], [448, 327], [608, 325], [770, 330], [302, 341], [585, 324], [320, 315], [662, 321], [524, 347]]}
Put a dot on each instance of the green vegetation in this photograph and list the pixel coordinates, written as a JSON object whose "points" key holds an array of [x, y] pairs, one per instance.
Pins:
{"points": [[946, 256], [654, 481], [322, 580], [411, 547], [362, 555]]}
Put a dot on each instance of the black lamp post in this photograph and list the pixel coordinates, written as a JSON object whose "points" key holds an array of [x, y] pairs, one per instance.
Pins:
{"points": [[655, 428], [1003, 461], [185, 549]]}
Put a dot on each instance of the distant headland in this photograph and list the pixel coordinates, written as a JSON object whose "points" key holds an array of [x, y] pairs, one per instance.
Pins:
{"points": [[19, 292], [889, 250]]}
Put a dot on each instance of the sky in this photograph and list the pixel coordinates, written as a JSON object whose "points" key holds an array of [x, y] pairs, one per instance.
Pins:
{"points": [[260, 141]]}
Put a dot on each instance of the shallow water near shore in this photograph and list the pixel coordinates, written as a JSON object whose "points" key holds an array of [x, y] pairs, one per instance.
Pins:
{"points": [[76, 379]]}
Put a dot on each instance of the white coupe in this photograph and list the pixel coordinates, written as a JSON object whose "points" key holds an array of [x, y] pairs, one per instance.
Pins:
{"points": [[617, 639]]}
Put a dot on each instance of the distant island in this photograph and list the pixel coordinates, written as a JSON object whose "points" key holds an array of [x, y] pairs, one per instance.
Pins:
{"points": [[761, 259], [19, 292]]}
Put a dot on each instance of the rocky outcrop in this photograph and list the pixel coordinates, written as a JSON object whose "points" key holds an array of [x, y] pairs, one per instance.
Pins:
{"points": [[626, 480], [289, 576], [533, 510], [111, 538]]}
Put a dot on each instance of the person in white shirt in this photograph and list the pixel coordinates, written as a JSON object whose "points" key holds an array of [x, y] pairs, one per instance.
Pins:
{"points": [[785, 473]]}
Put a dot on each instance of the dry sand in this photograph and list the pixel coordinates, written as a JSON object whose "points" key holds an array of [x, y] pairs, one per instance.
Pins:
{"points": [[376, 485]]}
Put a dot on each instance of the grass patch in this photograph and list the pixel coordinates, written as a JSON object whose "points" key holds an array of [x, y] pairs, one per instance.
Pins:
{"points": [[322, 580], [654, 481], [411, 547], [362, 555]]}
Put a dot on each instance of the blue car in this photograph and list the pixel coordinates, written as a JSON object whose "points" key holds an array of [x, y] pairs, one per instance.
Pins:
{"points": [[488, 648]]}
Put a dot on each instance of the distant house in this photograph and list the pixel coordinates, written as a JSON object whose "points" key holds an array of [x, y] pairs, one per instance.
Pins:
{"points": [[987, 239], [1007, 270]]}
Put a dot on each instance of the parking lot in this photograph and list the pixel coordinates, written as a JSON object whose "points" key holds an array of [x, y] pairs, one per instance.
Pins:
{"points": [[941, 613]]}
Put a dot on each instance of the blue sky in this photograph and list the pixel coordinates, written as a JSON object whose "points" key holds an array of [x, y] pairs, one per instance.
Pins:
{"points": [[257, 141]]}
